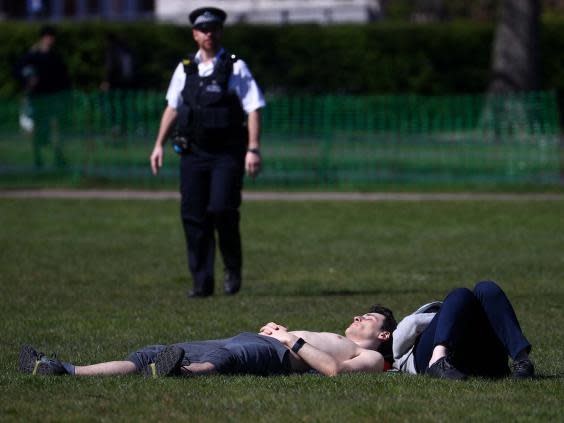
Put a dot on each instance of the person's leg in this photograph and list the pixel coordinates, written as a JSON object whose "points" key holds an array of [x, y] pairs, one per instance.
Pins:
{"points": [[245, 353], [461, 331], [41, 129], [111, 368], [37, 363], [250, 353], [195, 355], [502, 318], [136, 362], [197, 223], [141, 361], [199, 369], [504, 323], [59, 126], [225, 200], [433, 360]]}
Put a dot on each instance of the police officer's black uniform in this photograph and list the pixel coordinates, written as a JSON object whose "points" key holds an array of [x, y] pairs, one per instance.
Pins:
{"points": [[211, 119], [208, 101]]}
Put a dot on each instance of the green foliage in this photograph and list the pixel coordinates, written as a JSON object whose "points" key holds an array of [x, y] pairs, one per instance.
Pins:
{"points": [[95, 279], [383, 57]]}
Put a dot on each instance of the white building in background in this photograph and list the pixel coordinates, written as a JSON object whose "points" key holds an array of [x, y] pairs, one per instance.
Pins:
{"points": [[251, 11], [275, 11]]}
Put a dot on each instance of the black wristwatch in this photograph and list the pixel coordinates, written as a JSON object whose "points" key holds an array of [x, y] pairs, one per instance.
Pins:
{"points": [[254, 151], [298, 345]]}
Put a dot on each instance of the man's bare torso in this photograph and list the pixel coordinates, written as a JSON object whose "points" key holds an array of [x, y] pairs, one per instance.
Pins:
{"points": [[338, 346]]}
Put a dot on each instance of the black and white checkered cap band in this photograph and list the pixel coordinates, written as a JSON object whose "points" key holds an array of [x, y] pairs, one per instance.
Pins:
{"points": [[206, 18]]}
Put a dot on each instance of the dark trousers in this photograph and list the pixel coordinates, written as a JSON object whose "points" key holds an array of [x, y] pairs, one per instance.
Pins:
{"points": [[210, 187], [49, 115], [245, 353], [478, 327]]}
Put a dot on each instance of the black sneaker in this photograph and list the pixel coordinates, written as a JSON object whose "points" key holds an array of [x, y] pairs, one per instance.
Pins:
{"points": [[232, 283], [443, 369], [167, 363], [523, 369], [37, 363]]}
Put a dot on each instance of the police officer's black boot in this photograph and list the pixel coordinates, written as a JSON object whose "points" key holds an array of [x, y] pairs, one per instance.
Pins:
{"points": [[232, 282], [192, 293]]}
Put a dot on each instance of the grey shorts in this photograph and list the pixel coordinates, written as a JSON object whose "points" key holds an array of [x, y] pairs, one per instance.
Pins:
{"points": [[246, 353]]}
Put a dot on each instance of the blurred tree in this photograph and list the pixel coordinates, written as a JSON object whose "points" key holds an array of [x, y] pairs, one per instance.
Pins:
{"points": [[439, 10], [515, 62], [515, 68]]}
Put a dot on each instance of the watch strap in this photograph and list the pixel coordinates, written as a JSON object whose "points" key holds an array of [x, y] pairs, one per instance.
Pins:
{"points": [[254, 151], [298, 345]]}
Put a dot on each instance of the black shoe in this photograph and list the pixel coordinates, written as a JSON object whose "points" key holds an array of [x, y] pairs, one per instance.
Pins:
{"points": [[167, 363], [443, 369], [198, 294], [37, 363], [523, 369], [232, 283]]}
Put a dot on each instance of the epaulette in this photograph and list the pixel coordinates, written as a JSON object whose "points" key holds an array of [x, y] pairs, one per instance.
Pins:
{"points": [[190, 65]]}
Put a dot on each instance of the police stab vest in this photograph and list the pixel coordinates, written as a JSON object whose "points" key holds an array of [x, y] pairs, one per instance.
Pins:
{"points": [[211, 115]]}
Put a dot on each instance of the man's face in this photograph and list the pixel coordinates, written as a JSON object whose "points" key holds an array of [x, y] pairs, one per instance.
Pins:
{"points": [[208, 37], [47, 42], [368, 326]]}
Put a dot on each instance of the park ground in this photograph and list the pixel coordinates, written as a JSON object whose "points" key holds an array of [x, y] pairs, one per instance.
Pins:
{"points": [[95, 278]]}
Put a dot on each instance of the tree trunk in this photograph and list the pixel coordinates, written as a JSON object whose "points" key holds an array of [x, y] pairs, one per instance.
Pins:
{"points": [[515, 63], [511, 116]]}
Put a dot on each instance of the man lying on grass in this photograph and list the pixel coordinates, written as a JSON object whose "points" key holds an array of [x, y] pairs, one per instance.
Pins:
{"points": [[273, 351]]}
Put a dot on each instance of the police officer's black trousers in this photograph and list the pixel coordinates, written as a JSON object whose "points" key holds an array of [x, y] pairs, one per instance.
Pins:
{"points": [[210, 187]]}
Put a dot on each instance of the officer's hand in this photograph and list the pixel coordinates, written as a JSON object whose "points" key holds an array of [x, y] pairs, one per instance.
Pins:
{"points": [[252, 164], [157, 159]]}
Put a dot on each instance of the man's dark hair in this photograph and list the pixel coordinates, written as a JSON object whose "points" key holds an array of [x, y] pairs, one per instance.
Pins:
{"points": [[389, 325]]}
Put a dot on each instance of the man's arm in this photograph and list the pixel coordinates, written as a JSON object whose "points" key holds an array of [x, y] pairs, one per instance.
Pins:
{"points": [[365, 361], [324, 363], [253, 159], [167, 120]]}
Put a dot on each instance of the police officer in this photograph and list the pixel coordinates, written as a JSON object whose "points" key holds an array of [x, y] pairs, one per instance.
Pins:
{"points": [[213, 105]]}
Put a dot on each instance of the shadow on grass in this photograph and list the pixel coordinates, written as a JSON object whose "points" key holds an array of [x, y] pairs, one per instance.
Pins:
{"points": [[340, 292], [549, 377]]}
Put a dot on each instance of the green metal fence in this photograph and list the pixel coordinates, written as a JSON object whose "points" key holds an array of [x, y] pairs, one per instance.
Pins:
{"points": [[326, 141]]}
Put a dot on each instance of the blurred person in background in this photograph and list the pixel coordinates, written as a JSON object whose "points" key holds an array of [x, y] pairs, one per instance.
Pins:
{"points": [[46, 84], [214, 101], [119, 78]]}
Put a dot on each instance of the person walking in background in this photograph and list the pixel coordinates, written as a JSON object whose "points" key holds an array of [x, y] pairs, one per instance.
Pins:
{"points": [[119, 68], [119, 78], [215, 102], [46, 83]]}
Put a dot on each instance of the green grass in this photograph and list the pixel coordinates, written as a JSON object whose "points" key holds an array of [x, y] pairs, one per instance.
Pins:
{"points": [[94, 280]]}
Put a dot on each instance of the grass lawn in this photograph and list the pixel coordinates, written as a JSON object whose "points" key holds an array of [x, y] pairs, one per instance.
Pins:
{"points": [[95, 279]]}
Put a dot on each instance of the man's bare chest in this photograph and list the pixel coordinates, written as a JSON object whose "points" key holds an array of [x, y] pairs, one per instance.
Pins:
{"points": [[336, 345]]}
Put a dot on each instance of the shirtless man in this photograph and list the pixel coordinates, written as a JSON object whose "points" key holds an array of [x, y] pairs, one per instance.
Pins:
{"points": [[274, 350]]}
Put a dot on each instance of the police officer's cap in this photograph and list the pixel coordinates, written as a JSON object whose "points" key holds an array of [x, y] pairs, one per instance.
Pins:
{"points": [[47, 30], [207, 16]]}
